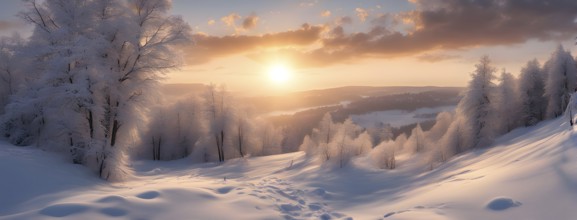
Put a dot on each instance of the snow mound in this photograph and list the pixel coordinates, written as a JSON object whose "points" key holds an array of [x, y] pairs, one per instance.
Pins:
{"points": [[502, 203], [63, 210], [520, 165]]}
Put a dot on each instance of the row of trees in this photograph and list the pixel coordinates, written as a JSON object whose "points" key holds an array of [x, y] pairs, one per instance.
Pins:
{"points": [[209, 127], [337, 143], [81, 82], [491, 106]]}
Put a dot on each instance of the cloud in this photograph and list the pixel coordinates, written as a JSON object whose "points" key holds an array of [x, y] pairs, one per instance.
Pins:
{"points": [[211, 22], [436, 57], [433, 26], [454, 24], [362, 14], [344, 20], [382, 20], [208, 47], [308, 3], [250, 22], [230, 20], [326, 13]]}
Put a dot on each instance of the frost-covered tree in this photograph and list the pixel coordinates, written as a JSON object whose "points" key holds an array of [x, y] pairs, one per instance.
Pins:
{"points": [[533, 104], [442, 123], [323, 135], [381, 132], [309, 146], [270, 139], [219, 117], [337, 143], [363, 144], [507, 108], [232, 131], [561, 81], [453, 142], [475, 108], [97, 62], [172, 130], [401, 140], [383, 155], [326, 129], [11, 68], [344, 147], [416, 141]]}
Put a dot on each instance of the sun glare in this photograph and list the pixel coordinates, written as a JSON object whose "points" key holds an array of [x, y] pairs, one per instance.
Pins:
{"points": [[279, 73]]}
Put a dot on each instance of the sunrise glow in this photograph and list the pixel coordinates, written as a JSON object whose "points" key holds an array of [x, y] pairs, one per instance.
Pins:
{"points": [[279, 73]]}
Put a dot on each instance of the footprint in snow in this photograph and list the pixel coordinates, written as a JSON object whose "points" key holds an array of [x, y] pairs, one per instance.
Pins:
{"points": [[113, 212], [148, 195], [294, 203], [224, 190], [63, 210], [502, 203]]}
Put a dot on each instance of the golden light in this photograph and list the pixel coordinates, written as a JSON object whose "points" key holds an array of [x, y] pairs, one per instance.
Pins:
{"points": [[279, 73]]}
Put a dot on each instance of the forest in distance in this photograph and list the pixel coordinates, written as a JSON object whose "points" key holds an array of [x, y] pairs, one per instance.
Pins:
{"points": [[93, 93]]}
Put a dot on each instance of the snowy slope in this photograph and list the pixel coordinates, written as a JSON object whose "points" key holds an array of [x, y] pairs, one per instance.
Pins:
{"points": [[530, 173]]}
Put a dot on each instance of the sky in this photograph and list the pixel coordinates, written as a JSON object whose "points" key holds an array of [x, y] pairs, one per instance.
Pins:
{"points": [[268, 47]]}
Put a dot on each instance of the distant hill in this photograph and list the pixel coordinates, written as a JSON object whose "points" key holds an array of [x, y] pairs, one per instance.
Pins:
{"points": [[362, 99], [182, 89], [334, 96]]}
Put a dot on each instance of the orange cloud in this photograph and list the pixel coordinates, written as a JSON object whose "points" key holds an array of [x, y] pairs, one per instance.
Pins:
{"points": [[438, 25], [433, 58], [230, 20], [362, 14], [208, 47]]}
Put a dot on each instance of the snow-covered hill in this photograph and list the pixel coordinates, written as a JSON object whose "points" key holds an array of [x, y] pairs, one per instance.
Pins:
{"points": [[530, 173]]}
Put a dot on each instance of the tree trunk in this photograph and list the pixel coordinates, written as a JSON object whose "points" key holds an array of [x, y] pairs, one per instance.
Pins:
{"points": [[153, 149], [102, 165], [91, 124], [115, 127], [217, 146], [240, 141], [222, 144]]}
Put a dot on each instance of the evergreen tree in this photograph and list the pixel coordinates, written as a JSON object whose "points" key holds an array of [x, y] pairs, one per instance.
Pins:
{"points": [[561, 81], [475, 108], [533, 104]]}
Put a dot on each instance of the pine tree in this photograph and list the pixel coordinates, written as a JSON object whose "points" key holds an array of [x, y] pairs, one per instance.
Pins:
{"points": [[561, 81], [506, 104], [475, 109], [533, 104]]}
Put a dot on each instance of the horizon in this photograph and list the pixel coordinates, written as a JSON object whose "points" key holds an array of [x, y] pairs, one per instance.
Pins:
{"points": [[249, 95], [326, 44]]}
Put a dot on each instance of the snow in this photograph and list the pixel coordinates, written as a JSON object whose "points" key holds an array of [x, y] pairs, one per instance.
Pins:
{"points": [[294, 111], [530, 173], [398, 118]]}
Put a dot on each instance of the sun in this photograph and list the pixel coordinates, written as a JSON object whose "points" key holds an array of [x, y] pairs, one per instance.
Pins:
{"points": [[279, 73]]}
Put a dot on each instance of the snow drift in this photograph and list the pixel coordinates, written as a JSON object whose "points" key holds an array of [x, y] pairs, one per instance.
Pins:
{"points": [[529, 173]]}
